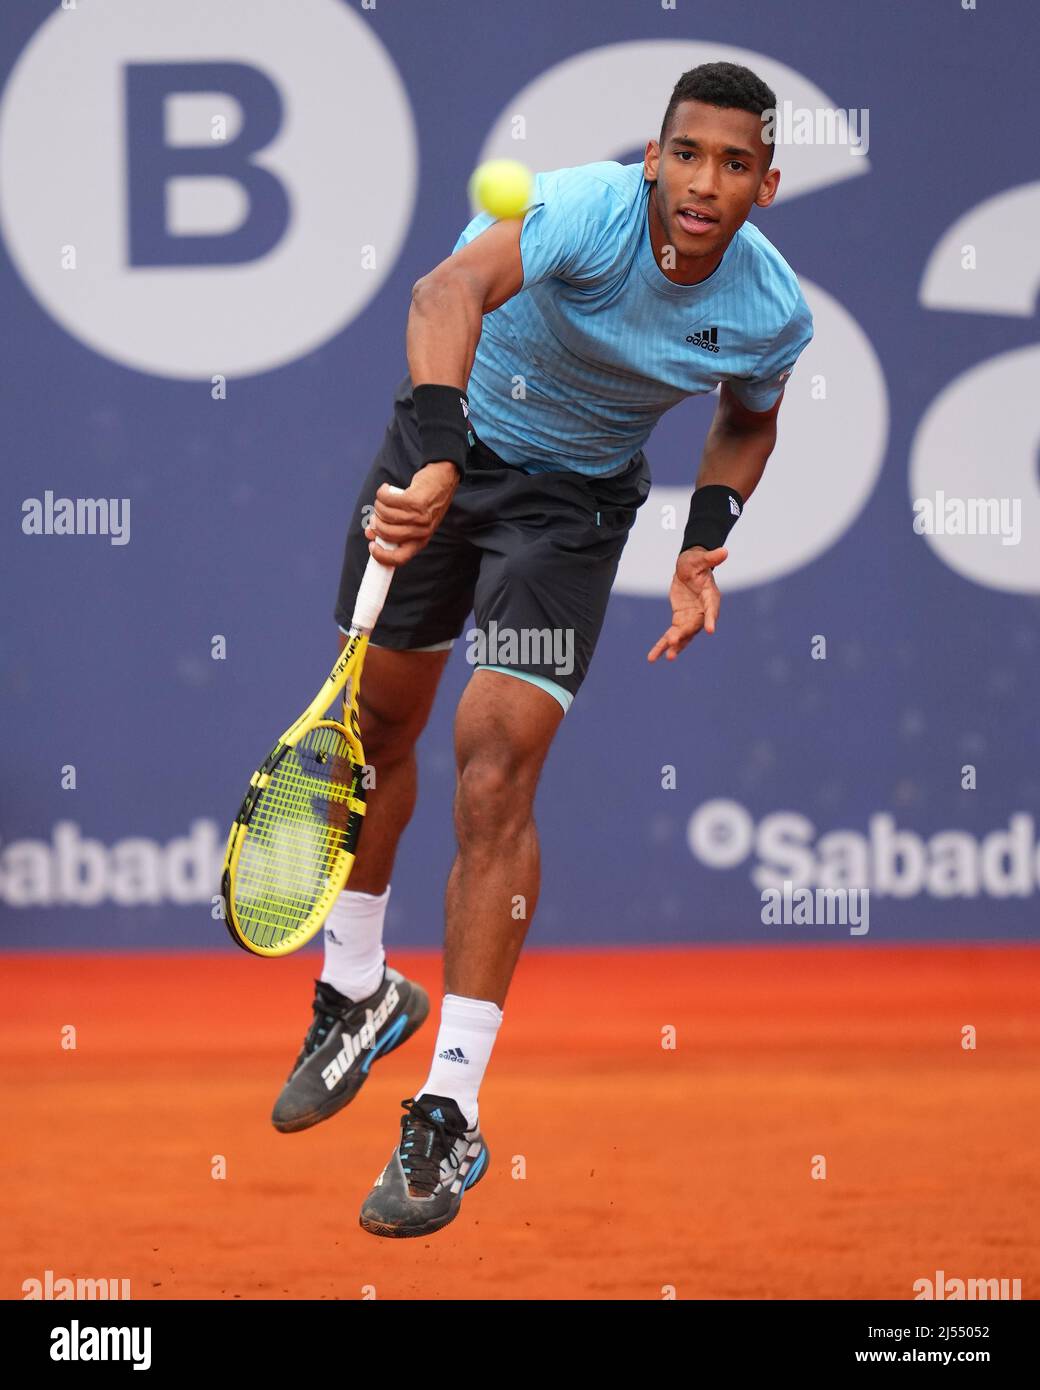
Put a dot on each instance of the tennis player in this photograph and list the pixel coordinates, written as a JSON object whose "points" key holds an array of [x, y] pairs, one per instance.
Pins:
{"points": [[541, 354]]}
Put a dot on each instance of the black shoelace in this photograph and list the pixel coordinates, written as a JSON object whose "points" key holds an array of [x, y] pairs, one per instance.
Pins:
{"points": [[319, 1029], [425, 1143]]}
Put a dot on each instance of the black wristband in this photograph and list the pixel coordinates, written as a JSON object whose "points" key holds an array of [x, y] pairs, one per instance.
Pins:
{"points": [[442, 414], [714, 511]]}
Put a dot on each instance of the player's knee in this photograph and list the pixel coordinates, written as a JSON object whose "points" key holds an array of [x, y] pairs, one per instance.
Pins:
{"points": [[493, 799]]}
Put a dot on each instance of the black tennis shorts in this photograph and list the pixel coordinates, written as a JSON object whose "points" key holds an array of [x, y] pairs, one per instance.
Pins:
{"points": [[531, 555]]}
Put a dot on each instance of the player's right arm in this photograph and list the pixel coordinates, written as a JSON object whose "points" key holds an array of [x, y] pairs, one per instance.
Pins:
{"points": [[449, 303], [444, 325]]}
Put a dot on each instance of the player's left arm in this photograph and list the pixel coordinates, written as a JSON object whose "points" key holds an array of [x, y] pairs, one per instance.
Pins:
{"points": [[735, 453]]}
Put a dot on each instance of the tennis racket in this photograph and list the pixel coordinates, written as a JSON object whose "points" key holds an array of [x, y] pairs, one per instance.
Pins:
{"points": [[292, 846]]}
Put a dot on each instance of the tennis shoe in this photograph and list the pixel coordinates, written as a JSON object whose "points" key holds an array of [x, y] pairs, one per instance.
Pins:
{"points": [[343, 1041], [436, 1162]]}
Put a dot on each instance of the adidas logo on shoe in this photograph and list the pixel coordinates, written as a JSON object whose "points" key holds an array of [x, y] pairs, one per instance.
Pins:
{"points": [[707, 338], [454, 1054], [354, 1044]]}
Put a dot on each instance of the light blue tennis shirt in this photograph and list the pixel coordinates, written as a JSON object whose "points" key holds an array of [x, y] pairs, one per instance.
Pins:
{"points": [[577, 368]]}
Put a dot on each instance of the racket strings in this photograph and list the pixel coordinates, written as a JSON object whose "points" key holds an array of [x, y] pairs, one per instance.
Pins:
{"points": [[301, 836]]}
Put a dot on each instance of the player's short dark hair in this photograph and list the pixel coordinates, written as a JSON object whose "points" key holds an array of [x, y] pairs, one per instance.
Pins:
{"points": [[721, 84]]}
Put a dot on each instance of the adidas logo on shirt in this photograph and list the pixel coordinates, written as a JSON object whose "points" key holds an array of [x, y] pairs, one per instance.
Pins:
{"points": [[707, 338], [454, 1054]]}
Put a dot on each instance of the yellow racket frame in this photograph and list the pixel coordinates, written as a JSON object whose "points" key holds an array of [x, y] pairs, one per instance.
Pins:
{"points": [[345, 673]]}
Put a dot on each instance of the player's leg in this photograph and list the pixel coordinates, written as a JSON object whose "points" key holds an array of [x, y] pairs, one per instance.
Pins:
{"points": [[503, 731], [395, 700]]}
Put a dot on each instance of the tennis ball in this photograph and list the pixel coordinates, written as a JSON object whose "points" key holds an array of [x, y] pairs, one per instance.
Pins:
{"points": [[501, 187]]}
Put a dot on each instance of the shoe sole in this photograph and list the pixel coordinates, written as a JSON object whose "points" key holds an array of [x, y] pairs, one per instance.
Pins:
{"points": [[336, 1103], [377, 1228], [381, 1228]]}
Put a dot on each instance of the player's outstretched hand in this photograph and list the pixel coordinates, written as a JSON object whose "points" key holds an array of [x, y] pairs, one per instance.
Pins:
{"points": [[695, 600], [408, 519]]}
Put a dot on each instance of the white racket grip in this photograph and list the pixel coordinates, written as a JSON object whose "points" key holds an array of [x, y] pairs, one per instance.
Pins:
{"points": [[375, 585]]}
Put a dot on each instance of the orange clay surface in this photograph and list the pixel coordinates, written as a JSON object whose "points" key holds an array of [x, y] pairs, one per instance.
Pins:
{"points": [[645, 1167]]}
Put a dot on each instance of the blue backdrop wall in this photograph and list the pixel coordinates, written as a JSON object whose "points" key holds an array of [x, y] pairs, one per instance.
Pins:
{"points": [[210, 221]]}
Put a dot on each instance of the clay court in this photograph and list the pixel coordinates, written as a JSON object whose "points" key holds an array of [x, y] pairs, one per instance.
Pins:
{"points": [[646, 1167]]}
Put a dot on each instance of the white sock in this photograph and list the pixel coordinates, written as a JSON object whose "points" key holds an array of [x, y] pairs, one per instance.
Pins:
{"points": [[462, 1052], [354, 956]]}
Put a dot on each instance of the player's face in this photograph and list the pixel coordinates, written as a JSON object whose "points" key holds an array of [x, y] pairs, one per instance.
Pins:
{"points": [[710, 171]]}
